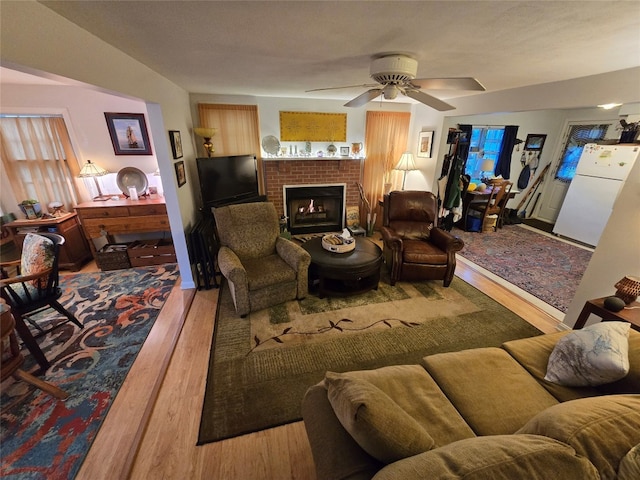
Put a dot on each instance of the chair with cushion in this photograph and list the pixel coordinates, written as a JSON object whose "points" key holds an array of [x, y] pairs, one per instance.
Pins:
{"points": [[36, 288], [262, 268], [494, 205], [414, 247]]}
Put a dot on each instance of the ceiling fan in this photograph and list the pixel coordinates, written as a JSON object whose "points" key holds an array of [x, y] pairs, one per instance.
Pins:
{"points": [[395, 73]]}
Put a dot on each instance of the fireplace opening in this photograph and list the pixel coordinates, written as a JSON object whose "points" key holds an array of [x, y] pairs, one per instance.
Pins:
{"points": [[314, 208]]}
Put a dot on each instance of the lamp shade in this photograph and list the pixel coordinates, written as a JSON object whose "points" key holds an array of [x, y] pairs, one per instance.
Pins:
{"points": [[91, 170], [406, 162], [628, 289], [487, 165], [205, 132]]}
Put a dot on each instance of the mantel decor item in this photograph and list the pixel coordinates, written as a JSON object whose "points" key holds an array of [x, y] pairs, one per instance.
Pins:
{"points": [[176, 143], [207, 134], [128, 133], [628, 289], [90, 169], [425, 142], [181, 175]]}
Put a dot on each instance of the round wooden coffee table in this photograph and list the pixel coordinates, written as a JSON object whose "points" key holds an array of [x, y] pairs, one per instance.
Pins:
{"points": [[348, 273]]}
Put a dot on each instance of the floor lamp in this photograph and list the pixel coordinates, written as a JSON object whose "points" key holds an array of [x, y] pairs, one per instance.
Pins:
{"points": [[92, 170], [406, 164]]}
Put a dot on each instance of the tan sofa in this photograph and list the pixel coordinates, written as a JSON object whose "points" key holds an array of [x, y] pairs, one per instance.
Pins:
{"points": [[484, 413]]}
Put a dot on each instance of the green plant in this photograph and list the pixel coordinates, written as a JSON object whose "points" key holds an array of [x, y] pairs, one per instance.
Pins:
{"points": [[29, 202]]}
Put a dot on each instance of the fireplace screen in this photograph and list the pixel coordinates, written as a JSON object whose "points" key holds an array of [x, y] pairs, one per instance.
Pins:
{"points": [[314, 209]]}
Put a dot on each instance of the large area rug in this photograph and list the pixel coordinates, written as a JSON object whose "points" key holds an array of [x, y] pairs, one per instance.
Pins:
{"points": [[44, 438], [261, 366], [539, 264]]}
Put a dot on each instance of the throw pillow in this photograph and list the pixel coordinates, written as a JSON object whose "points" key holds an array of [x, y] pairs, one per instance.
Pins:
{"points": [[381, 428], [38, 255], [593, 356]]}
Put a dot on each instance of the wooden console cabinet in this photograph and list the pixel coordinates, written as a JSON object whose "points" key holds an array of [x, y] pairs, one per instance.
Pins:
{"points": [[75, 251], [123, 216]]}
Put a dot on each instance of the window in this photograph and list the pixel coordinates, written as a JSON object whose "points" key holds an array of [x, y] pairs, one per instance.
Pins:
{"points": [[485, 144], [579, 136], [38, 159]]}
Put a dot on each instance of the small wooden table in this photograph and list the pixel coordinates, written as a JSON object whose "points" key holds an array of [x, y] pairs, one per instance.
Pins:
{"points": [[348, 273], [631, 313]]}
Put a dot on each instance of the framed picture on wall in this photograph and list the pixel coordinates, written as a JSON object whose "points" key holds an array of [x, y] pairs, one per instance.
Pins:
{"points": [[425, 144], [181, 175], [535, 142], [128, 133], [176, 143]]}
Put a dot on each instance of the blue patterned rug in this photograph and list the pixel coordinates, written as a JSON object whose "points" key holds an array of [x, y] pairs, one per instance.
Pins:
{"points": [[44, 438], [539, 264]]}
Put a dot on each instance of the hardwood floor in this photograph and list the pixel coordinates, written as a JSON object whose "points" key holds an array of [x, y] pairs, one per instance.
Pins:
{"points": [[141, 439]]}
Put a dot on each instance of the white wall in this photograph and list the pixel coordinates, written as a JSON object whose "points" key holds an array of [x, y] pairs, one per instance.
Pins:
{"points": [[83, 111], [617, 253]]}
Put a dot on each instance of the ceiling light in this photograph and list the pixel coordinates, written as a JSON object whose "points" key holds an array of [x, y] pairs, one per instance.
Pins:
{"points": [[609, 106]]}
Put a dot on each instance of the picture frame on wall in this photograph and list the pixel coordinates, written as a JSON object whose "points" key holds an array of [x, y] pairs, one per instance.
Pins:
{"points": [[176, 143], [425, 144], [181, 175], [128, 133], [535, 142]]}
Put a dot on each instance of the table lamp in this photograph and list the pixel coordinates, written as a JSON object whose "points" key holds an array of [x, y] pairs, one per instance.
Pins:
{"points": [[207, 134], [486, 167], [92, 170], [405, 164]]}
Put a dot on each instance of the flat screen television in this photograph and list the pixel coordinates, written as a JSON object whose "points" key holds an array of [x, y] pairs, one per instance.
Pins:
{"points": [[226, 180]]}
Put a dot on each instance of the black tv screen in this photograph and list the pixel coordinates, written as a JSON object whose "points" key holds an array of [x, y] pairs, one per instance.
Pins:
{"points": [[225, 180]]}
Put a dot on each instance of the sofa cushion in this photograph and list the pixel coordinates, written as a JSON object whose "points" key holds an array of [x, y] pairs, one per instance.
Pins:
{"points": [[629, 468], [493, 393], [593, 356], [603, 429], [415, 392], [379, 425], [498, 457]]}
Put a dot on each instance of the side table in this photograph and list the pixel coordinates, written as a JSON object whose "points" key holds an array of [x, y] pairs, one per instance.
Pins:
{"points": [[631, 313]]}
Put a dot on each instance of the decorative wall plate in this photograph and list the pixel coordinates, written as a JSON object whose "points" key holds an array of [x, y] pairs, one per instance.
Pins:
{"points": [[132, 177], [271, 145]]}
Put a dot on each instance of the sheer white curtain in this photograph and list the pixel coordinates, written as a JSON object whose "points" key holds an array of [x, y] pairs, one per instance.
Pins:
{"points": [[39, 160], [238, 131], [385, 140]]}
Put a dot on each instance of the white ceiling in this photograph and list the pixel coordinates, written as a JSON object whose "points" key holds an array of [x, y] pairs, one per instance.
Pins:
{"points": [[276, 48]]}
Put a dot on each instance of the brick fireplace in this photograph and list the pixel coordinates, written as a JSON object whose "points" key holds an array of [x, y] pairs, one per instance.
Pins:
{"points": [[281, 172]]}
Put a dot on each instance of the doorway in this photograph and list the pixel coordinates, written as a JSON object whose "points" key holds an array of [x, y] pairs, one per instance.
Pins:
{"points": [[577, 135]]}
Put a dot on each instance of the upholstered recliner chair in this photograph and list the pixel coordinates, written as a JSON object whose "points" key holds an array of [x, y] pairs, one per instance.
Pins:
{"points": [[262, 268], [414, 248]]}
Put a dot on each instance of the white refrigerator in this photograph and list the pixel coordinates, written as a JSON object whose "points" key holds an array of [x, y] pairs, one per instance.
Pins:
{"points": [[600, 174]]}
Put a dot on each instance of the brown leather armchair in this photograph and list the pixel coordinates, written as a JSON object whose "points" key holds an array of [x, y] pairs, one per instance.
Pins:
{"points": [[414, 247]]}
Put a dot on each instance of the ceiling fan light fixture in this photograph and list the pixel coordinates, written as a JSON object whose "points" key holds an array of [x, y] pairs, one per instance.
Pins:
{"points": [[390, 91]]}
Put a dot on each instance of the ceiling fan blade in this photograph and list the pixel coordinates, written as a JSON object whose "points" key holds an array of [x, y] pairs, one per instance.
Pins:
{"points": [[460, 83], [337, 88], [428, 100], [364, 98]]}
